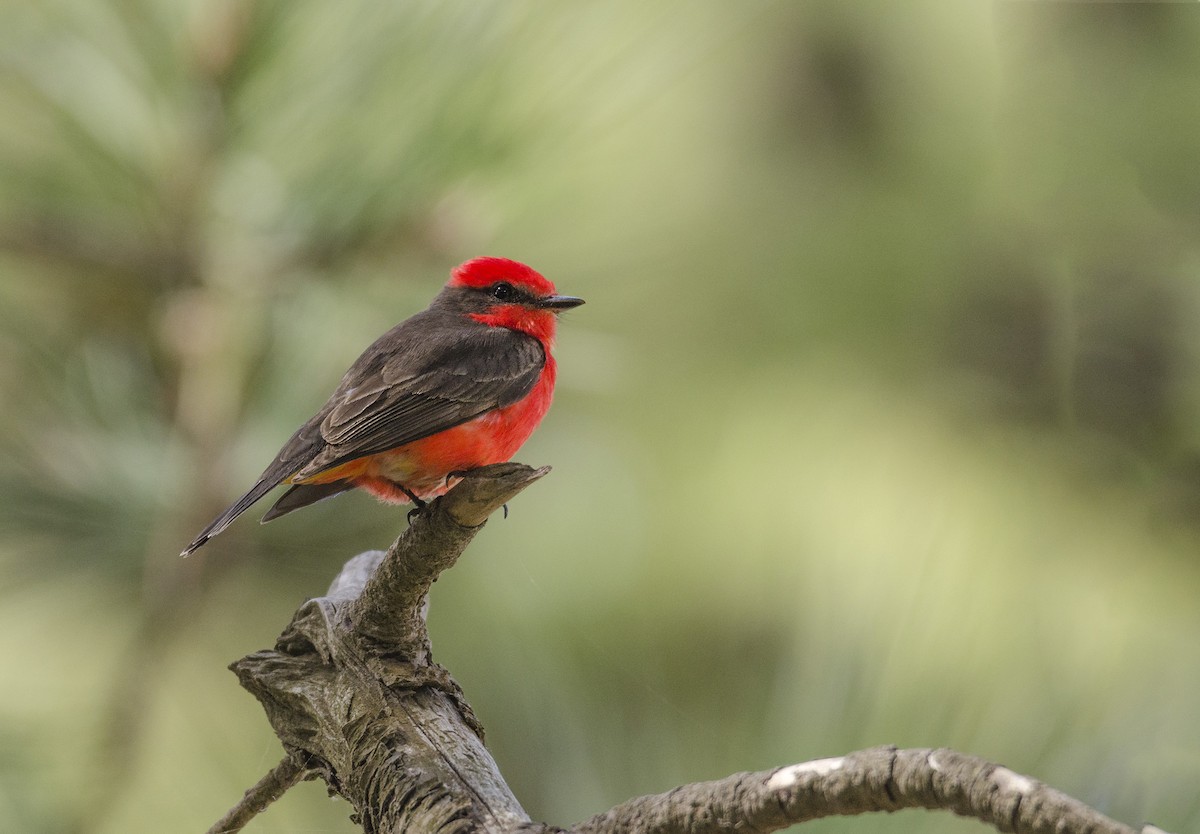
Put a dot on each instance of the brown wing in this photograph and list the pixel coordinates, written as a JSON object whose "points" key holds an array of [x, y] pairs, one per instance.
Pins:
{"points": [[453, 376], [430, 373]]}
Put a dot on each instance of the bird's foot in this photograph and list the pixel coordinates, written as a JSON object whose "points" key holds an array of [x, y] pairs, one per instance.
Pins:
{"points": [[457, 473], [418, 505], [412, 496]]}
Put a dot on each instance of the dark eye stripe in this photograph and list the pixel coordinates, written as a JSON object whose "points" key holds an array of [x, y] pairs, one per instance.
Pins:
{"points": [[506, 292]]}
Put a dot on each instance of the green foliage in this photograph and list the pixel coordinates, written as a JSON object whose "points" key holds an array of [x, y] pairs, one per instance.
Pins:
{"points": [[880, 425]]}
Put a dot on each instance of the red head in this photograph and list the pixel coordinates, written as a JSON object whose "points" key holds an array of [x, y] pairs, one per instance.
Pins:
{"points": [[503, 293], [483, 272]]}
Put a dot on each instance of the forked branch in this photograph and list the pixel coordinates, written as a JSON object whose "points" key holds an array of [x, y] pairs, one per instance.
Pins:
{"points": [[351, 688], [352, 692]]}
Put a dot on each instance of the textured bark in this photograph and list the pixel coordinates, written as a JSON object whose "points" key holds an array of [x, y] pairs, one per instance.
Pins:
{"points": [[354, 695], [880, 779], [350, 686]]}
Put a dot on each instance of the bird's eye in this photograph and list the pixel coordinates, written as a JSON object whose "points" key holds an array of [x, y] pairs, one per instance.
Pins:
{"points": [[503, 291]]}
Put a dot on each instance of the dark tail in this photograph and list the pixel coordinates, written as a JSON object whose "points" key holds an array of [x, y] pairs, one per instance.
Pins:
{"points": [[224, 519], [301, 495]]}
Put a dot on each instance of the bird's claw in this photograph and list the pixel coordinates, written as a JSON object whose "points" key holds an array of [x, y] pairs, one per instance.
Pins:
{"points": [[457, 473], [418, 505]]}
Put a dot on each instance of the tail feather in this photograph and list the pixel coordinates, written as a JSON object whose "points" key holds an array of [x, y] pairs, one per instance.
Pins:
{"points": [[226, 518], [301, 495]]}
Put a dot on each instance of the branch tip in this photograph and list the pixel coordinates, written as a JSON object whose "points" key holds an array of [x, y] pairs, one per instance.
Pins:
{"points": [[484, 490]]}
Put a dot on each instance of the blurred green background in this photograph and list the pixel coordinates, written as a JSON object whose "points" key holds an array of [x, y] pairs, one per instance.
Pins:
{"points": [[881, 424]]}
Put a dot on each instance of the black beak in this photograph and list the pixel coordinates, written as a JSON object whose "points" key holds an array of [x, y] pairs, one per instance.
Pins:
{"points": [[559, 302]]}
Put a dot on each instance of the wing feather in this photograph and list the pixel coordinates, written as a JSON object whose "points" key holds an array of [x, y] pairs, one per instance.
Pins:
{"points": [[430, 373], [394, 396]]}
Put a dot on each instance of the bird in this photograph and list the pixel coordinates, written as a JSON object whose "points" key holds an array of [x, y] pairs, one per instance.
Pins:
{"points": [[459, 385]]}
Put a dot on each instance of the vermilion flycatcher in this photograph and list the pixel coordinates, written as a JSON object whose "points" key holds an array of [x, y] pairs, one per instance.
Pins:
{"points": [[458, 386]]}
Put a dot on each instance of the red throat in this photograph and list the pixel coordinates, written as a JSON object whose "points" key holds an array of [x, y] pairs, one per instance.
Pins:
{"points": [[540, 324], [483, 272]]}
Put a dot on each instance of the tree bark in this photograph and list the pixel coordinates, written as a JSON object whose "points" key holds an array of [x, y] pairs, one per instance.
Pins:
{"points": [[351, 686], [353, 693]]}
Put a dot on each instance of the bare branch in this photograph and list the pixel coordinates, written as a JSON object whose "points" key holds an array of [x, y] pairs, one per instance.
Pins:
{"points": [[351, 689], [287, 774], [351, 686], [880, 779], [388, 609]]}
